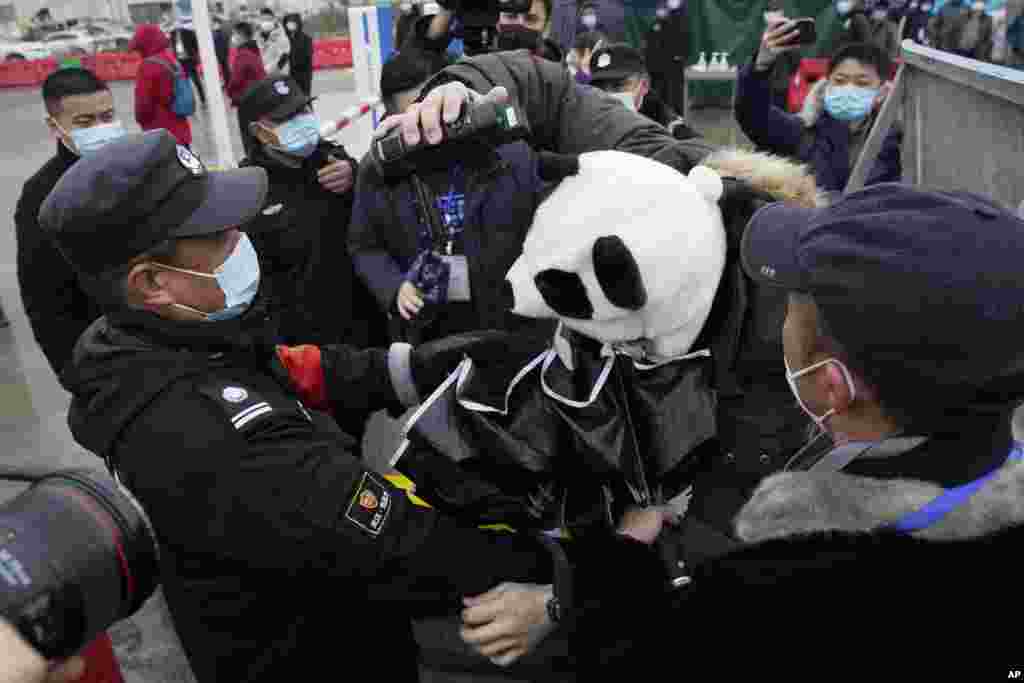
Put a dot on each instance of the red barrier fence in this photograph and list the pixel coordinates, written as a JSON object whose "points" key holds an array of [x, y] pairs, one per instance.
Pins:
{"points": [[332, 53]]}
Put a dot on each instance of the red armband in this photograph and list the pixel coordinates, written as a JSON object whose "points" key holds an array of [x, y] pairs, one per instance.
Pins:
{"points": [[306, 373]]}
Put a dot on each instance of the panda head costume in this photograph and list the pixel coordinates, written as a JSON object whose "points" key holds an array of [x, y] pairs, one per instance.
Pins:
{"points": [[626, 251]]}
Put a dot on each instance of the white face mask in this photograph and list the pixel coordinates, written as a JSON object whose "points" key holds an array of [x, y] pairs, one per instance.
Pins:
{"points": [[791, 378], [589, 20], [267, 26], [675, 4], [238, 277], [292, 26], [626, 98]]}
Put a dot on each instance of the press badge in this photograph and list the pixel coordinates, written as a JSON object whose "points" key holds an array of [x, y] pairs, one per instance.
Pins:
{"points": [[458, 278], [371, 505]]}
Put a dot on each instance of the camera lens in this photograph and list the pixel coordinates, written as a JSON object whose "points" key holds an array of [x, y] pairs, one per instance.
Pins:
{"points": [[77, 553]]}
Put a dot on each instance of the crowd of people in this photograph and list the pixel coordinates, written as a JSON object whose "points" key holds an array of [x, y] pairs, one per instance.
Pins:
{"points": [[825, 410]]}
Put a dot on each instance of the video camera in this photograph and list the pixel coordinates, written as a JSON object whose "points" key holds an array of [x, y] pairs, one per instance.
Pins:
{"points": [[479, 18], [77, 553], [484, 121]]}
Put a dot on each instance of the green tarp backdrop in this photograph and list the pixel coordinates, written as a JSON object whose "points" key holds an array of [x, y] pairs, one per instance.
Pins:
{"points": [[735, 27]]}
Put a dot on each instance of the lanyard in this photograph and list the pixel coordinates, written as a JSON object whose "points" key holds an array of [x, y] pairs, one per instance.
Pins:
{"points": [[938, 507]]}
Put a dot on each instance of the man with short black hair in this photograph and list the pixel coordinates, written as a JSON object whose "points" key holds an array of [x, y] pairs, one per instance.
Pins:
{"points": [[404, 74], [830, 132], [81, 116], [281, 554], [274, 43]]}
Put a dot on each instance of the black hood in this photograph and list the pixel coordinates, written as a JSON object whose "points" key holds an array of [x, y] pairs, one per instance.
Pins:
{"points": [[297, 18], [124, 360]]}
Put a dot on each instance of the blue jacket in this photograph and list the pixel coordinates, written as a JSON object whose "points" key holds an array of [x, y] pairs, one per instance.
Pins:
{"points": [[812, 136], [500, 202]]}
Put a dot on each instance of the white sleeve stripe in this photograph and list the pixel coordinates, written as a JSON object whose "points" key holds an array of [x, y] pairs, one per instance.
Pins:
{"points": [[252, 416], [251, 409]]}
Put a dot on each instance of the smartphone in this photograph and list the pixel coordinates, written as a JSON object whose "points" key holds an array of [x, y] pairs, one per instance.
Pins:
{"points": [[808, 32]]}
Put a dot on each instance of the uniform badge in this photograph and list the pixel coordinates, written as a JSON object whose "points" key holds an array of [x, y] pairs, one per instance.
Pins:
{"points": [[234, 394], [281, 87], [371, 505], [189, 160], [604, 60]]}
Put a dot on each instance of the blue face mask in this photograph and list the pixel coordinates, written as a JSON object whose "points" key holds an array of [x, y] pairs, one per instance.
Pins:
{"points": [[849, 103], [299, 136], [88, 140], [238, 277]]}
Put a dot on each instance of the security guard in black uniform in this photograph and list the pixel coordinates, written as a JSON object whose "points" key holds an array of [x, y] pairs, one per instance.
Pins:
{"points": [[283, 557]]}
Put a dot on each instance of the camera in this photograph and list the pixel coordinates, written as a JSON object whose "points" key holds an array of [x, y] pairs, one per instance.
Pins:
{"points": [[479, 18], [484, 121], [77, 553]]}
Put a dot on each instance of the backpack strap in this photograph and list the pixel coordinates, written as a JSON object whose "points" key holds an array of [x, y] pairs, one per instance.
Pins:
{"points": [[163, 63]]}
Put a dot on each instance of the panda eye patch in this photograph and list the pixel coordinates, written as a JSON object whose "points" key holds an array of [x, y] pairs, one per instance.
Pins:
{"points": [[565, 293], [618, 273]]}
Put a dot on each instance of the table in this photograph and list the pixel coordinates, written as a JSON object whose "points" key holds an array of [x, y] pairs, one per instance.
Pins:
{"points": [[693, 74]]}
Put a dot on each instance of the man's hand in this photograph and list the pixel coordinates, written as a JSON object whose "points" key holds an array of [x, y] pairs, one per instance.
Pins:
{"points": [[409, 300], [645, 524], [336, 177], [433, 361], [19, 663], [443, 103], [780, 37], [507, 622]]}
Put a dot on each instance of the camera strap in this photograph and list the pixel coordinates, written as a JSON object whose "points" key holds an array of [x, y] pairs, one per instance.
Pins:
{"points": [[429, 212]]}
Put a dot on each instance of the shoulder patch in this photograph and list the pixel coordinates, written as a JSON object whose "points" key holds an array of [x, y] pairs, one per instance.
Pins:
{"points": [[241, 405], [371, 504]]}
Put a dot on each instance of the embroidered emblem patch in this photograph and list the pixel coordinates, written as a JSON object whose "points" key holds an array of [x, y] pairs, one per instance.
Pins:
{"points": [[370, 506], [235, 394]]}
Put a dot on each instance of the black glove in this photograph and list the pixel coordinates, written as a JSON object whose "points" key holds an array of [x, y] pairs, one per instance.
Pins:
{"points": [[433, 361]]}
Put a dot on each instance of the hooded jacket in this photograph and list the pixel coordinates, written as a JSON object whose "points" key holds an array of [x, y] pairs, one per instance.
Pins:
{"points": [[275, 47], [812, 136], [300, 59], [270, 528], [154, 84], [58, 308], [246, 70]]}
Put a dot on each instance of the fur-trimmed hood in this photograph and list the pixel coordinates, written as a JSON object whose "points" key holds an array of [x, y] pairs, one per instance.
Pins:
{"points": [[791, 503], [780, 177]]}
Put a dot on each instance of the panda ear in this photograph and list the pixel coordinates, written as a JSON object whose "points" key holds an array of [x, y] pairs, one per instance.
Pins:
{"points": [[618, 273], [564, 293]]}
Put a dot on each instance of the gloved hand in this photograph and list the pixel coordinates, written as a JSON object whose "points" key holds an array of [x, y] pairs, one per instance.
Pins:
{"points": [[434, 361]]}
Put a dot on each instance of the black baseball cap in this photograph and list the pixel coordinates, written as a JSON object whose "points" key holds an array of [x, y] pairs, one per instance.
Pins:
{"points": [[615, 62], [139, 191], [277, 98], [914, 283]]}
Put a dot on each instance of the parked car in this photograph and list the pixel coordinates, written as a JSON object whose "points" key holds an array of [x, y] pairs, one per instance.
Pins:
{"points": [[12, 49]]}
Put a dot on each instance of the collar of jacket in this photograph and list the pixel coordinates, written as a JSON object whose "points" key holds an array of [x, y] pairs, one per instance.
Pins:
{"points": [[306, 172], [798, 502], [253, 332], [66, 156]]}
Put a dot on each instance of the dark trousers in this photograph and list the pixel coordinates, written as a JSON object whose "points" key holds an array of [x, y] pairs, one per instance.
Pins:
{"points": [[190, 68]]}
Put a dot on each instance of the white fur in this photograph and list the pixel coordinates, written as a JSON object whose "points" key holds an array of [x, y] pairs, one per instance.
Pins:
{"points": [[672, 226]]}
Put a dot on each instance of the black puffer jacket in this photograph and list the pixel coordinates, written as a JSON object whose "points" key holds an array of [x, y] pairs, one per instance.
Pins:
{"points": [[302, 243]]}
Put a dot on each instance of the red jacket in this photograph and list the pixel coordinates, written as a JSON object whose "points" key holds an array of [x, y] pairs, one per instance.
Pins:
{"points": [[246, 70], [154, 85]]}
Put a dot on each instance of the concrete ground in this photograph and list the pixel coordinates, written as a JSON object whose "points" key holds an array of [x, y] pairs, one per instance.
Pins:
{"points": [[33, 407]]}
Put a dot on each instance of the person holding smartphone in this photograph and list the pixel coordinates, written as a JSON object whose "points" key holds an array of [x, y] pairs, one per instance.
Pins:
{"points": [[829, 133]]}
